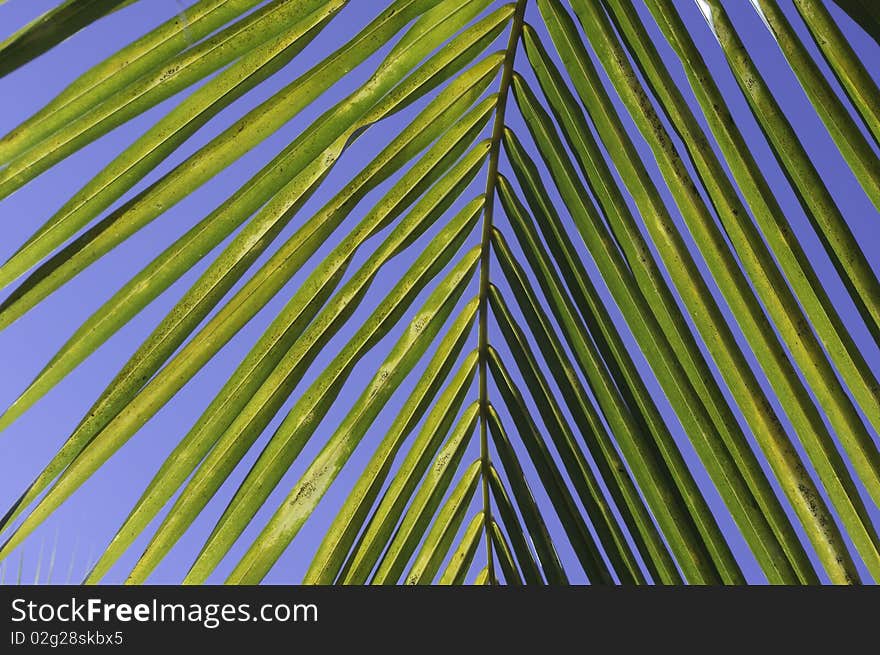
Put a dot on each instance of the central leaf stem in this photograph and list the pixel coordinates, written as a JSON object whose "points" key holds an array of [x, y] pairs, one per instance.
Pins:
{"points": [[491, 179]]}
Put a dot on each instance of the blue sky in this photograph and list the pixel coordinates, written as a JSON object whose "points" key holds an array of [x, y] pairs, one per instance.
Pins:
{"points": [[88, 520]]}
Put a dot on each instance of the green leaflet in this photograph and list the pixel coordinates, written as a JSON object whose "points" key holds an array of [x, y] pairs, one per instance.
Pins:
{"points": [[599, 510], [669, 369], [463, 556], [767, 280], [262, 373], [582, 541], [307, 493], [375, 537], [130, 166], [446, 524], [86, 125], [124, 425], [169, 132], [282, 449], [853, 146], [530, 570], [718, 438], [794, 261], [208, 233], [342, 533], [623, 409], [116, 72], [238, 139], [771, 435], [840, 243], [209, 289], [789, 319], [858, 83], [505, 558], [289, 324], [427, 499], [239, 419], [50, 29], [531, 513]]}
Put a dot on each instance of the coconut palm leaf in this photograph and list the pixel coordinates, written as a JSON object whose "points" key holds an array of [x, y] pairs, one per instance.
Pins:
{"points": [[514, 300]]}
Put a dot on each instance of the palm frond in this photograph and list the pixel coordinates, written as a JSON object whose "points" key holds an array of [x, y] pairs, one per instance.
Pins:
{"points": [[529, 310]]}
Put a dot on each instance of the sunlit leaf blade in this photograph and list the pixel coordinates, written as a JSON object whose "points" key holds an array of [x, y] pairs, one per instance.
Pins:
{"points": [[293, 512], [51, 28], [463, 556], [125, 66], [139, 159], [285, 444], [804, 279], [794, 397], [39, 562], [245, 39], [735, 468], [238, 139], [252, 422], [442, 533], [440, 114], [52, 556], [852, 144], [210, 287], [426, 500], [531, 513], [524, 556], [849, 70], [288, 326], [788, 317], [342, 533], [243, 420], [840, 243], [425, 446]]}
